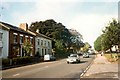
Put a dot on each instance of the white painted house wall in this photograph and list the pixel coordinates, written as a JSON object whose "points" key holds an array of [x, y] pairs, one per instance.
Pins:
{"points": [[42, 48], [1, 43], [5, 41]]}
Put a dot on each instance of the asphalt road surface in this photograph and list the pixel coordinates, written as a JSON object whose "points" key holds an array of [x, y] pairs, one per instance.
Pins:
{"points": [[53, 69]]}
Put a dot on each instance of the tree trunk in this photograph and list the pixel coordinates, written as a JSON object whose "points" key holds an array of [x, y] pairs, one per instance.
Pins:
{"points": [[118, 48], [111, 52]]}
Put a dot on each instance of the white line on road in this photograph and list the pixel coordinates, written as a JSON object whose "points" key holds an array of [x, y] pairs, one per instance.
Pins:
{"points": [[16, 74]]}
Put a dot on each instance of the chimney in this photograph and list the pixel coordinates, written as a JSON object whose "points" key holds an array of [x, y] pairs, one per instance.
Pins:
{"points": [[24, 26], [37, 30]]}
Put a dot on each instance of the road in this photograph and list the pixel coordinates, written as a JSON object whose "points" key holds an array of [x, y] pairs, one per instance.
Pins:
{"points": [[53, 69]]}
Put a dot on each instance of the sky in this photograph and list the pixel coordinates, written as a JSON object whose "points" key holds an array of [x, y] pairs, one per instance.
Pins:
{"points": [[88, 17]]}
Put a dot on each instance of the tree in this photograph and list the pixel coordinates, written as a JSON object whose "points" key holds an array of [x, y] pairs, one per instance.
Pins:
{"points": [[27, 48], [97, 44], [111, 35], [59, 44], [86, 47], [49, 28], [76, 40], [109, 38], [62, 37], [57, 31]]}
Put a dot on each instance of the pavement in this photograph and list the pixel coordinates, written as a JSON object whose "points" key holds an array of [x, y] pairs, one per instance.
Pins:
{"points": [[102, 68]]}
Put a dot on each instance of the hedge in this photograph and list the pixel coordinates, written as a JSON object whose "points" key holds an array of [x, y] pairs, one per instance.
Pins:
{"points": [[18, 60]]}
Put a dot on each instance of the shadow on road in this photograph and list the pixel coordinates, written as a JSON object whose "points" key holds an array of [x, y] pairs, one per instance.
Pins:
{"points": [[83, 61], [80, 62]]}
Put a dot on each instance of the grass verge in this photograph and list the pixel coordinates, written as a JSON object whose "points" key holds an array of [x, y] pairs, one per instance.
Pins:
{"points": [[112, 57]]}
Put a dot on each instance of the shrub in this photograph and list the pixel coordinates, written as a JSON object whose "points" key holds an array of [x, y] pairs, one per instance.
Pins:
{"points": [[22, 60], [5, 62]]}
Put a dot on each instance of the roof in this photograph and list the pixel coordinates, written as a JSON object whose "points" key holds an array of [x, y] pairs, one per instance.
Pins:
{"points": [[41, 35], [9, 26]]}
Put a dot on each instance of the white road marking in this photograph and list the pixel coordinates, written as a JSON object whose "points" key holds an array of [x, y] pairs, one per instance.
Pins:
{"points": [[16, 74]]}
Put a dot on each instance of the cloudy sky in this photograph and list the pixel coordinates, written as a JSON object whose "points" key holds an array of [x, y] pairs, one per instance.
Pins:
{"points": [[88, 17]]}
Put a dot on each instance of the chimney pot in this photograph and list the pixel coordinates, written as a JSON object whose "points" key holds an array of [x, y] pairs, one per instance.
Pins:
{"points": [[24, 26]]}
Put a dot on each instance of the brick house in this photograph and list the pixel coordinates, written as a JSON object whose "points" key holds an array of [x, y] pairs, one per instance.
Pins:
{"points": [[17, 38]]}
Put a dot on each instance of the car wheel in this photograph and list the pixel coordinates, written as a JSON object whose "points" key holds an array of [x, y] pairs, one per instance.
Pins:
{"points": [[68, 62], [79, 61]]}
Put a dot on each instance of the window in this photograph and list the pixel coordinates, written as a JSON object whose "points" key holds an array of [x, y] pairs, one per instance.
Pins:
{"points": [[1, 36], [26, 38], [31, 40], [41, 42], [38, 49], [42, 52], [49, 51], [45, 43], [38, 41], [45, 52], [21, 39], [15, 38], [48, 44]]}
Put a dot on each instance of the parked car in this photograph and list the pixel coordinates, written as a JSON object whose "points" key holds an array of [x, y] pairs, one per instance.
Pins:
{"points": [[73, 58], [86, 55], [49, 57]]}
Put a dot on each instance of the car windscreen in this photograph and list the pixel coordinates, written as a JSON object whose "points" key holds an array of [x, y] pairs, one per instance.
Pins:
{"points": [[73, 55]]}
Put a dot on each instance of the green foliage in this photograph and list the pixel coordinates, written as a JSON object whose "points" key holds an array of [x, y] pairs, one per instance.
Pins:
{"points": [[5, 62], [63, 38], [97, 44], [50, 28], [57, 31], [76, 42], [22, 60], [59, 45], [109, 38], [105, 43], [86, 47], [111, 35], [59, 51], [27, 48]]}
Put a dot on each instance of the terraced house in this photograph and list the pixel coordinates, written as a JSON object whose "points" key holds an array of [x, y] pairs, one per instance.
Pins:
{"points": [[14, 39], [43, 44], [4, 41]]}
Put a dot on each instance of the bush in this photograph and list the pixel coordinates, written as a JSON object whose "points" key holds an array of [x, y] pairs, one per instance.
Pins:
{"points": [[5, 62], [61, 54], [22, 60]]}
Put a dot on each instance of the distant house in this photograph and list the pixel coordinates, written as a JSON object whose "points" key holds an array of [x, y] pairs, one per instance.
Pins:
{"points": [[14, 39], [43, 44]]}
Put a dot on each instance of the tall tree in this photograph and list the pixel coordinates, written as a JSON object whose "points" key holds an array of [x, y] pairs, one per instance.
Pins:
{"points": [[111, 35], [109, 38], [97, 44], [86, 47]]}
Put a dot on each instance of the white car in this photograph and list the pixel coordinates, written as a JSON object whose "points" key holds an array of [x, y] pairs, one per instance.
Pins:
{"points": [[86, 55], [73, 58], [49, 57]]}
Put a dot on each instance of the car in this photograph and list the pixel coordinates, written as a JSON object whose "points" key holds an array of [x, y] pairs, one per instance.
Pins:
{"points": [[49, 57], [86, 55], [73, 58]]}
